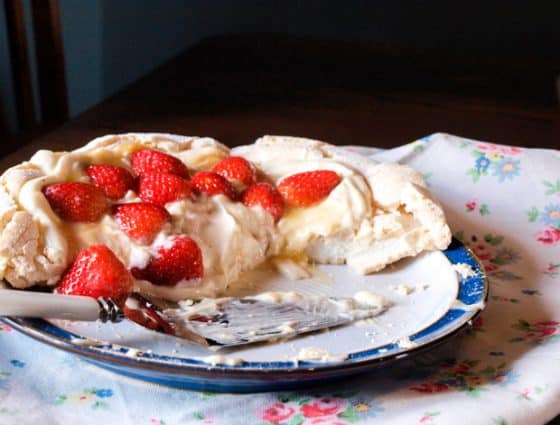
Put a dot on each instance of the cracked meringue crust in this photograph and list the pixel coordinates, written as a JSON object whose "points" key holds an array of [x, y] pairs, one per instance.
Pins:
{"points": [[378, 214]]}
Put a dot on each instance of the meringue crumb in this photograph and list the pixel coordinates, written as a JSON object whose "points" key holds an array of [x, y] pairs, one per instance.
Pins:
{"points": [[406, 343], [464, 270], [315, 354], [404, 289]]}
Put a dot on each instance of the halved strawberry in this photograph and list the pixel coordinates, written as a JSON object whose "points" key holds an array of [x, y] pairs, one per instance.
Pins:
{"points": [[145, 313], [114, 181], [141, 221], [308, 188], [265, 195], [212, 184], [178, 259], [76, 201], [96, 272], [149, 160], [161, 188], [237, 170]]}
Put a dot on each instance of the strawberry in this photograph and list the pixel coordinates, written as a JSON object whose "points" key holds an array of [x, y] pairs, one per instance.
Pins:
{"points": [[237, 170], [308, 188], [141, 221], [75, 201], [161, 188], [96, 272], [178, 258], [114, 181], [212, 184], [148, 160], [266, 196], [140, 310]]}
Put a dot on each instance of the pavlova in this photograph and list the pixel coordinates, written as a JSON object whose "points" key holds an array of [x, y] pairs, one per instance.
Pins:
{"points": [[179, 217]]}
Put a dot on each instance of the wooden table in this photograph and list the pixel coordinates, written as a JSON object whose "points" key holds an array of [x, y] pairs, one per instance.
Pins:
{"points": [[237, 88]]}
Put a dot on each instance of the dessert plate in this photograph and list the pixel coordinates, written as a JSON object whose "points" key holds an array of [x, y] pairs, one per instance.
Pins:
{"points": [[434, 296]]}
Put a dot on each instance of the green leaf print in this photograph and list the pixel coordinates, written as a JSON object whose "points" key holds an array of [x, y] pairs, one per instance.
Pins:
{"points": [[493, 239], [99, 405], [208, 394], [345, 394], [477, 154], [488, 371], [198, 415], [500, 421], [533, 214], [296, 420], [475, 174], [60, 399], [552, 188], [418, 148], [474, 391], [426, 177], [286, 398], [484, 209], [350, 415], [432, 414], [471, 363], [522, 325]]}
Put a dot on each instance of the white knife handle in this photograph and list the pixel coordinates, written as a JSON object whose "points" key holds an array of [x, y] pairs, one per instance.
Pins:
{"points": [[53, 306]]}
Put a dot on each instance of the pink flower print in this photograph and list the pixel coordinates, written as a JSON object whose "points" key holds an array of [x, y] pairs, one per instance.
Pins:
{"points": [[430, 387], [546, 323], [478, 323], [460, 369], [550, 236], [470, 206], [325, 406], [490, 267], [277, 412], [502, 149], [324, 420], [552, 267], [546, 329], [501, 377], [482, 251]]}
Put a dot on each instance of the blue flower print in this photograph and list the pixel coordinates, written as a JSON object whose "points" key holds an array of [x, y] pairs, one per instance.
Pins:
{"points": [[17, 363], [104, 393], [482, 163], [551, 215], [506, 168]]}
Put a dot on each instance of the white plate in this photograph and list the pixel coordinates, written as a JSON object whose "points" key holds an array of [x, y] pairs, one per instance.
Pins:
{"points": [[441, 303]]}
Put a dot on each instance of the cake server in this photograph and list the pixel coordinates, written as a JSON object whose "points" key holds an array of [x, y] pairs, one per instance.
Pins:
{"points": [[221, 322]]}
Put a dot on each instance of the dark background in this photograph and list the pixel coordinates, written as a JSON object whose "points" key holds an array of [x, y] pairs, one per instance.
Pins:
{"points": [[108, 44]]}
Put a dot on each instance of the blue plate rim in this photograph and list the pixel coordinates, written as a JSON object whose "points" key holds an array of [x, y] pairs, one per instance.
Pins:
{"points": [[452, 321]]}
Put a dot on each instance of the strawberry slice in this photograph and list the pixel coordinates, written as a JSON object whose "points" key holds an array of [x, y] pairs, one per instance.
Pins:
{"points": [[237, 170], [76, 201], [145, 313], [178, 259], [149, 160], [114, 181], [212, 184], [141, 221], [161, 188], [266, 196], [308, 188], [96, 272]]}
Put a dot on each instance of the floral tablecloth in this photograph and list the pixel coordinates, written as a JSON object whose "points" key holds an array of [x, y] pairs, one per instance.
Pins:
{"points": [[504, 202]]}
